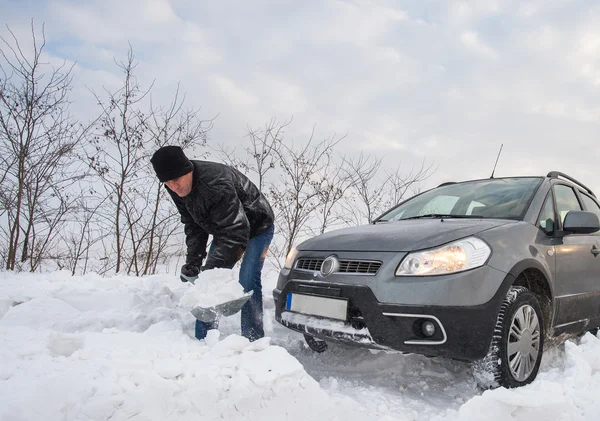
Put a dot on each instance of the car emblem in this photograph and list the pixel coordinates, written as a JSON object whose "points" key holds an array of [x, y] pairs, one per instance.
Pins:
{"points": [[330, 264]]}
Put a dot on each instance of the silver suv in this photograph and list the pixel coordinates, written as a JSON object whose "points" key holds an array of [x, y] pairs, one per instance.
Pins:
{"points": [[486, 271]]}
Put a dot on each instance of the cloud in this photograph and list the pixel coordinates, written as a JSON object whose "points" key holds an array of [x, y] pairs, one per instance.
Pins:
{"points": [[587, 55], [568, 112], [472, 41], [446, 83], [545, 38], [464, 12], [279, 93], [112, 21], [359, 22], [233, 93]]}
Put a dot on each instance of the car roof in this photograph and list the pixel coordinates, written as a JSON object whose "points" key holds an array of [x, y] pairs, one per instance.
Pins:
{"points": [[551, 175]]}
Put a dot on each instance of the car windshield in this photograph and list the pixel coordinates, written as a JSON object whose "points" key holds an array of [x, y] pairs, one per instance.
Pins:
{"points": [[502, 198]]}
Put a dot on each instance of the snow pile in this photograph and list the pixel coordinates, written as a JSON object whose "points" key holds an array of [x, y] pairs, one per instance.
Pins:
{"points": [[118, 348], [566, 389], [87, 348], [213, 287]]}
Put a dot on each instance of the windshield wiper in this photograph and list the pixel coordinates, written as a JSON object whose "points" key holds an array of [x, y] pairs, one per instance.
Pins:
{"points": [[440, 215]]}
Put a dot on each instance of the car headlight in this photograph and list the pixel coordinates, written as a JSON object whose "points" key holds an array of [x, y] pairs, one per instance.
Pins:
{"points": [[289, 261], [454, 257]]}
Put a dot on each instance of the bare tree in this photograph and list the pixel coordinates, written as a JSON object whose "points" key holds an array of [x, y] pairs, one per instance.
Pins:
{"points": [[372, 194], [335, 184], [38, 139], [50, 217], [295, 197], [172, 125], [400, 184], [264, 147], [364, 201], [260, 155], [142, 222], [84, 234], [120, 148]]}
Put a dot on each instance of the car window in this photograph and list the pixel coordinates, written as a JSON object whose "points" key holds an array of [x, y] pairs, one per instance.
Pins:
{"points": [[440, 204], [547, 219], [590, 204], [475, 206], [566, 200], [504, 198]]}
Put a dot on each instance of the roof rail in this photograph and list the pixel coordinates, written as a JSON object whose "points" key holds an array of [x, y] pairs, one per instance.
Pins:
{"points": [[447, 183], [556, 174]]}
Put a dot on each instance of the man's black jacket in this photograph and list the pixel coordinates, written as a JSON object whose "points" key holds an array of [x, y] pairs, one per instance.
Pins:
{"points": [[225, 204]]}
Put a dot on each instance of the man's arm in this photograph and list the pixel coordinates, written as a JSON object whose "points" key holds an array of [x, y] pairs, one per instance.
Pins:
{"points": [[232, 227], [195, 237]]}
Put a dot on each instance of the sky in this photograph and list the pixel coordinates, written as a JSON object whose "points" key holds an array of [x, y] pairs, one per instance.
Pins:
{"points": [[440, 82]]}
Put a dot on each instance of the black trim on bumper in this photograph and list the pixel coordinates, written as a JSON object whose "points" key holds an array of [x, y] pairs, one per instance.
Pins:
{"points": [[465, 334]]}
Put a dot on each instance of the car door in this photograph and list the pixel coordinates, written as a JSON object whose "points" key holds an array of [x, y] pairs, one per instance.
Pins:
{"points": [[574, 262], [593, 277]]}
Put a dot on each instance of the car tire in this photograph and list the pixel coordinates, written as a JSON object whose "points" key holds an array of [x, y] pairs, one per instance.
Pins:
{"points": [[516, 350], [315, 344]]}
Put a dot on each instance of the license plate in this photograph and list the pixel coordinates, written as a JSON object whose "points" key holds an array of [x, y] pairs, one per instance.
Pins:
{"points": [[317, 306]]}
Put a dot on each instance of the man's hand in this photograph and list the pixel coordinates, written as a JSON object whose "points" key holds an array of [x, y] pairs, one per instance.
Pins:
{"points": [[189, 272]]}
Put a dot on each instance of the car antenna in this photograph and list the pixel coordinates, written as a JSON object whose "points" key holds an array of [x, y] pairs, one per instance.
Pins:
{"points": [[498, 157]]}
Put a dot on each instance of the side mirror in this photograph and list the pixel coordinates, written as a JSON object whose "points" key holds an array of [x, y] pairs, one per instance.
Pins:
{"points": [[581, 222]]}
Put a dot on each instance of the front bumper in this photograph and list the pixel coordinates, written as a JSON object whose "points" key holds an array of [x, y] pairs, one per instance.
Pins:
{"points": [[462, 332]]}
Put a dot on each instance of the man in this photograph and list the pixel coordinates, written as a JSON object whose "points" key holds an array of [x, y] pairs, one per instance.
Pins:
{"points": [[215, 199]]}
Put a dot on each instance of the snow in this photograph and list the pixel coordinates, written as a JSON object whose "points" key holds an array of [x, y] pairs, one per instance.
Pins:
{"points": [[93, 348], [566, 390], [319, 324], [213, 287]]}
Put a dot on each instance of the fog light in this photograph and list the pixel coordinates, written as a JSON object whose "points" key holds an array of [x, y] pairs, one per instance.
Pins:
{"points": [[428, 329]]}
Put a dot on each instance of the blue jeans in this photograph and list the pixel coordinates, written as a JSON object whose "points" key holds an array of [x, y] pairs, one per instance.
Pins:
{"points": [[250, 278]]}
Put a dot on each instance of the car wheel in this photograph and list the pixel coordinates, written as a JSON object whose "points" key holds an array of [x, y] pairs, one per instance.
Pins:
{"points": [[315, 344], [516, 349]]}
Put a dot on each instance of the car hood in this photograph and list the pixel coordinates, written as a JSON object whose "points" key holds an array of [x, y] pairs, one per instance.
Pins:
{"points": [[410, 235]]}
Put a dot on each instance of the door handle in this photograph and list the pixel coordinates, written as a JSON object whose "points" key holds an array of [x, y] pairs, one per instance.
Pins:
{"points": [[595, 251]]}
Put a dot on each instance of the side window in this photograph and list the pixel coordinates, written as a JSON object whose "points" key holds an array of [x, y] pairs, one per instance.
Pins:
{"points": [[566, 200], [547, 219], [590, 204]]}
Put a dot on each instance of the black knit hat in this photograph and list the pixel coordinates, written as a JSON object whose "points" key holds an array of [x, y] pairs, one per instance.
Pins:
{"points": [[170, 162]]}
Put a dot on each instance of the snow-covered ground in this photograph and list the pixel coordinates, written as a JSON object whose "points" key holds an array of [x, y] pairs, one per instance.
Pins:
{"points": [[122, 348]]}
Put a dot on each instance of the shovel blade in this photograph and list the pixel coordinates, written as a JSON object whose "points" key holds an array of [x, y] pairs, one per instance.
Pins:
{"points": [[228, 308]]}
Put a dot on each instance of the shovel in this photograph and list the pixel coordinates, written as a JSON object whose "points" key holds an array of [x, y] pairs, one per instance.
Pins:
{"points": [[228, 308], [212, 313]]}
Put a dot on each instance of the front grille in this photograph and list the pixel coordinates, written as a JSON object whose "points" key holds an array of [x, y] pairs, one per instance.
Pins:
{"points": [[350, 266], [309, 264], [366, 267]]}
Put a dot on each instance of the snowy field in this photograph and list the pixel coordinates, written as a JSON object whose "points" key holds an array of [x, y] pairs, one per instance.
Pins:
{"points": [[122, 348]]}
